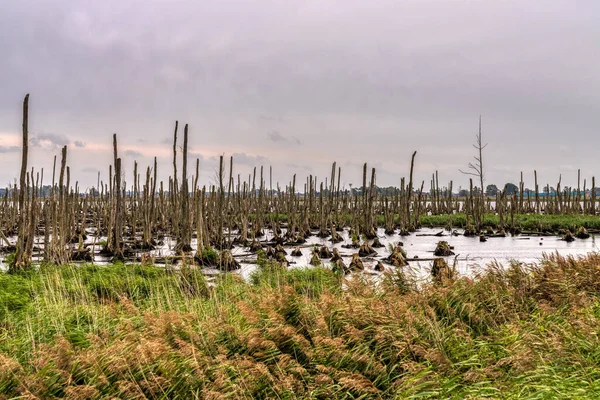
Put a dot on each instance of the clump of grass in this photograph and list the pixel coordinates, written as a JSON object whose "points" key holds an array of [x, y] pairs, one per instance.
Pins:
{"points": [[16, 293], [208, 257]]}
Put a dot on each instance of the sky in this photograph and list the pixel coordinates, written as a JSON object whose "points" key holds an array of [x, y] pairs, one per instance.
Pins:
{"points": [[297, 85]]}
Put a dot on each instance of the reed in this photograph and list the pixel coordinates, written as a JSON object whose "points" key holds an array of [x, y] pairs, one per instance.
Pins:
{"points": [[141, 331]]}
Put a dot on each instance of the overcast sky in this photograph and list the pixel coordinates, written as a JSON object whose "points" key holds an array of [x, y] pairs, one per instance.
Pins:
{"points": [[297, 85]]}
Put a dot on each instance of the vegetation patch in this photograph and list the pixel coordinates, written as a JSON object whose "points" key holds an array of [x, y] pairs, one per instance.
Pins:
{"points": [[133, 331]]}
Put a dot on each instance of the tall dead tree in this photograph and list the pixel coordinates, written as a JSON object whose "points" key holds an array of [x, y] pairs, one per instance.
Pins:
{"points": [[185, 236], [21, 261], [476, 169]]}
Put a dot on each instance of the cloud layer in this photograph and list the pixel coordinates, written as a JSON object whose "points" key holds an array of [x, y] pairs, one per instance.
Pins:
{"points": [[306, 83]]}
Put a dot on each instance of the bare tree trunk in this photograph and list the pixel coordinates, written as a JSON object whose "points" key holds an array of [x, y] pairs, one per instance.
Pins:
{"points": [[185, 238], [21, 259]]}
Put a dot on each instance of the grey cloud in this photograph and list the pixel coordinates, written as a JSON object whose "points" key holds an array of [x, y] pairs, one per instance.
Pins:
{"points": [[276, 137], [9, 149], [133, 153], [249, 160], [79, 144], [49, 140]]}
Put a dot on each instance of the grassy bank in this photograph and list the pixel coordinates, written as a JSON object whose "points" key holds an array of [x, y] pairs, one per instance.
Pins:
{"points": [[135, 332], [527, 222]]}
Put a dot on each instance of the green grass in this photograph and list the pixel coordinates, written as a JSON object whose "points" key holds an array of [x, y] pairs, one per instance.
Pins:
{"points": [[527, 222], [129, 331]]}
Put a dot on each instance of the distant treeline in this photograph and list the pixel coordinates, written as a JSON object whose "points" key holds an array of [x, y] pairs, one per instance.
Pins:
{"points": [[491, 190]]}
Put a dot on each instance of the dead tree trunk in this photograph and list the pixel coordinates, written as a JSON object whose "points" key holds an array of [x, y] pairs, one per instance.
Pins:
{"points": [[21, 260]]}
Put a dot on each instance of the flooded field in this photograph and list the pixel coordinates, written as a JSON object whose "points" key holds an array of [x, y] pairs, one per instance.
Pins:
{"points": [[471, 254]]}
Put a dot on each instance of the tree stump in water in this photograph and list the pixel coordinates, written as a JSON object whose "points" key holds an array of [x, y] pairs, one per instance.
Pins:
{"points": [[254, 246], [315, 259], [356, 264], [470, 231], [339, 267], [397, 258], [282, 260], [370, 233], [270, 252], [280, 250], [297, 252], [227, 262], [335, 237], [443, 249], [366, 250], [336, 255], [568, 237], [440, 270], [296, 238], [324, 252], [323, 233], [376, 243], [582, 233]]}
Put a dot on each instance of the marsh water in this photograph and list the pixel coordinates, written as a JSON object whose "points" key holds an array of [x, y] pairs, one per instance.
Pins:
{"points": [[471, 255]]}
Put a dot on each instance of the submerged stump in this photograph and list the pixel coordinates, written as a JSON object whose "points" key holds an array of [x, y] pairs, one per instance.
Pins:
{"points": [[366, 250], [335, 237], [440, 270], [227, 262], [397, 258], [582, 233], [356, 264], [255, 246], [270, 252], [470, 231], [376, 243], [336, 255], [324, 252], [379, 267], [568, 237], [443, 249], [279, 250], [315, 259], [339, 267], [297, 252]]}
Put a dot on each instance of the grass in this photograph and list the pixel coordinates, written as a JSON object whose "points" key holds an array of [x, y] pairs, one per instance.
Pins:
{"points": [[143, 332], [527, 222]]}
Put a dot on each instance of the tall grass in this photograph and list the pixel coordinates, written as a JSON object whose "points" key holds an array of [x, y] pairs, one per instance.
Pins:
{"points": [[144, 332], [527, 222]]}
